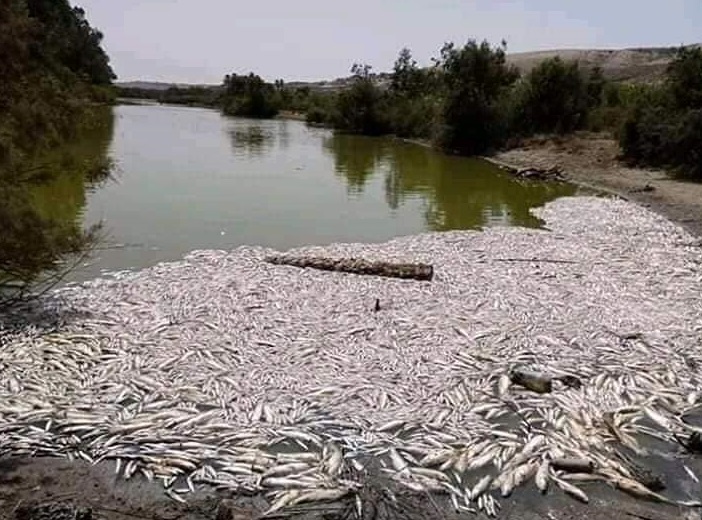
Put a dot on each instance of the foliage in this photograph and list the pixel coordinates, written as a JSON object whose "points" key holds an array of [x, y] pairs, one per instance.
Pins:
{"points": [[684, 78], [320, 109], [553, 98], [663, 127], [413, 107], [474, 79], [54, 77], [362, 108], [53, 69], [249, 96], [190, 96]]}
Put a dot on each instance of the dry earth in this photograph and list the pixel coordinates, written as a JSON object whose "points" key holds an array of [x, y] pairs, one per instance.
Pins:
{"points": [[591, 160]]}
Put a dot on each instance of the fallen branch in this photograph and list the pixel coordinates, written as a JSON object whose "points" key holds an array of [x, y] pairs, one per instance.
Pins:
{"points": [[422, 272], [537, 260]]}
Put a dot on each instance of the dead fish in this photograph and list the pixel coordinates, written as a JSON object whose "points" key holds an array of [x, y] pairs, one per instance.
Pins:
{"points": [[572, 490], [541, 477]]}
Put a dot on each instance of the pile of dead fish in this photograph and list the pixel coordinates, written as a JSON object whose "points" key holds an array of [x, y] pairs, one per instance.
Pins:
{"points": [[225, 370]]}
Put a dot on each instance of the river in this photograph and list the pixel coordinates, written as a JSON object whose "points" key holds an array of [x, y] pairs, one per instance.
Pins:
{"points": [[189, 178]]}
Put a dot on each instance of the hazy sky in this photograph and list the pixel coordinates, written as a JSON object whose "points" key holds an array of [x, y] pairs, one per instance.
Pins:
{"points": [[199, 41]]}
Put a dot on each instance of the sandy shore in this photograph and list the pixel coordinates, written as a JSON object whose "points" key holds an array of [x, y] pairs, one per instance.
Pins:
{"points": [[591, 160]]}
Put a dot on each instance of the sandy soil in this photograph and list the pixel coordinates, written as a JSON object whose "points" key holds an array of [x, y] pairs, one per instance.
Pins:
{"points": [[591, 160]]}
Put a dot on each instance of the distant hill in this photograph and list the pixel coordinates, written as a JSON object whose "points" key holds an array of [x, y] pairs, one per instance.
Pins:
{"points": [[640, 65]]}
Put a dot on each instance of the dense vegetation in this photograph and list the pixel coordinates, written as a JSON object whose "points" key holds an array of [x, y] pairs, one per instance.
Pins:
{"points": [[664, 125], [470, 102], [189, 96], [55, 77]]}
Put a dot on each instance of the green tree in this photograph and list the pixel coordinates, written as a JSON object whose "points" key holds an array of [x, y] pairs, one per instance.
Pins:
{"points": [[407, 78], [249, 96], [664, 124], [362, 108], [684, 78], [412, 101], [51, 63], [475, 78], [53, 70], [553, 97]]}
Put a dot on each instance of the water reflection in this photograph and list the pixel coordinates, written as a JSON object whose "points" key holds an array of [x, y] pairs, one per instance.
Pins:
{"points": [[457, 193], [356, 158], [253, 138], [252, 141], [42, 221]]}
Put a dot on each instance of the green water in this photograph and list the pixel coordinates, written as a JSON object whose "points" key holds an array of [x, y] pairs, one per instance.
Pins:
{"points": [[189, 178]]}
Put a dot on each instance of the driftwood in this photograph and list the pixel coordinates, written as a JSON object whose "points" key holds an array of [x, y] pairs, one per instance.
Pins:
{"points": [[358, 266], [539, 174]]}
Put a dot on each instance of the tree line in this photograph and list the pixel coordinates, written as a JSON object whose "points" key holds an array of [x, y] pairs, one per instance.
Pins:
{"points": [[55, 80], [471, 101], [245, 95]]}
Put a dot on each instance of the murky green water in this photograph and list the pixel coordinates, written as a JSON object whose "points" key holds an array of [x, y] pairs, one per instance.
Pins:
{"points": [[189, 178]]}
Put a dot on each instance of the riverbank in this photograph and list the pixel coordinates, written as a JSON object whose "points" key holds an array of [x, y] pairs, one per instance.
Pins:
{"points": [[591, 160]]}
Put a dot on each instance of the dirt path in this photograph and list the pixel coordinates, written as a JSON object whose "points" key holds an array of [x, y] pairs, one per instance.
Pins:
{"points": [[591, 160]]}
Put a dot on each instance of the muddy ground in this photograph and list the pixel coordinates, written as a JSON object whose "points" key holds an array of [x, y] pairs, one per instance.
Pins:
{"points": [[56, 489], [591, 160]]}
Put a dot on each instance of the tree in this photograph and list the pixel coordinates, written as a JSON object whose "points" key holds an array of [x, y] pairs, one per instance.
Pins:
{"points": [[362, 107], [684, 78], [407, 78], [474, 79], [53, 72], [553, 97], [664, 124], [250, 96], [412, 100]]}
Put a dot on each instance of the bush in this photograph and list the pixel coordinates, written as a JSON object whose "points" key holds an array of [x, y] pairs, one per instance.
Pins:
{"points": [[249, 96], [474, 80], [688, 145], [412, 117], [362, 108], [664, 127], [552, 98], [646, 137]]}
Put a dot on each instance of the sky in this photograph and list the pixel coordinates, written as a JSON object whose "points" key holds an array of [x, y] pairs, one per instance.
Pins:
{"points": [[199, 41]]}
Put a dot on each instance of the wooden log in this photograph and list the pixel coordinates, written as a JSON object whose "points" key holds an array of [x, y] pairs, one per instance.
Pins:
{"points": [[570, 465], [422, 272]]}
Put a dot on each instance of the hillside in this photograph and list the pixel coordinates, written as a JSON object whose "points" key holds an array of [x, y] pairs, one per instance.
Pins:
{"points": [[635, 65]]}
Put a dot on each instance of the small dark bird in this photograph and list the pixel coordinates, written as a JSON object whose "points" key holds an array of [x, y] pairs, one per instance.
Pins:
{"points": [[377, 304]]}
